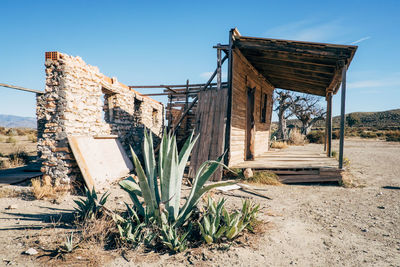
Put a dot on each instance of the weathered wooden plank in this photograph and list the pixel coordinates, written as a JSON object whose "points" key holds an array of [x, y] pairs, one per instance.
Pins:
{"points": [[308, 179], [101, 161]]}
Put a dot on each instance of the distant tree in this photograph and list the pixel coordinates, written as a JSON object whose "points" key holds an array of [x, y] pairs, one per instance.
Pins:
{"points": [[283, 102], [352, 120], [308, 111]]}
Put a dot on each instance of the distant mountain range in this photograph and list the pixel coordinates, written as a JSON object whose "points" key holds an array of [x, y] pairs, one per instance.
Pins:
{"points": [[389, 119], [11, 121], [381, 119]]}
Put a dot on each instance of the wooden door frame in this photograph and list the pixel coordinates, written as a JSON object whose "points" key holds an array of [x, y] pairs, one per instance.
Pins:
{"points": [[250, 123]]}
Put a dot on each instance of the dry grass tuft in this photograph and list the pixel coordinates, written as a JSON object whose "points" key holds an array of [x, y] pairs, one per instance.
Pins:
{"points": [[264, 178], [84, 254], [296, 138], [349, 181], [279, 145], [43, 189], [100, 232]]}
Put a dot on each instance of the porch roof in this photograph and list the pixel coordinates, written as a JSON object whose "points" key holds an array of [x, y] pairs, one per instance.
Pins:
{"points": [[307, 67]]}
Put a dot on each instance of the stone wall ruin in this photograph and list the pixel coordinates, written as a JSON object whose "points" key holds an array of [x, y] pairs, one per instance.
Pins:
{"points": [[79, 100]]}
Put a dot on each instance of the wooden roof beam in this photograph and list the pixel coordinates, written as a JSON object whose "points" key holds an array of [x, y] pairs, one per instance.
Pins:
{"points": [[317, 44], [284, 56], [297, 79], [295, 46], [305, 70], [21, 88], [298, 73], [293, 86]]}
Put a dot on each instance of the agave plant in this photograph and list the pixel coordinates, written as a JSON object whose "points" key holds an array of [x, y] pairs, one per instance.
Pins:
{"points": [[130, 229], [211, 226], [236, 222], [162, 201], [249, 213], [172, 239], [90, 207]]}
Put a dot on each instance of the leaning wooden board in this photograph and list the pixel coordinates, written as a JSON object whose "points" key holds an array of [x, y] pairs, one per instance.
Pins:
{"points": [[102, 160]]}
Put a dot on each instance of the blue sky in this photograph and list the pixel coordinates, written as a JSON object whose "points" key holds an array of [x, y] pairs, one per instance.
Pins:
{"points": [[161, 42]]}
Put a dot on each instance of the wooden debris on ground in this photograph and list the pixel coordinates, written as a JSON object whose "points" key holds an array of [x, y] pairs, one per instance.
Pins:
{"points": [[242, 187], [101, 159]]}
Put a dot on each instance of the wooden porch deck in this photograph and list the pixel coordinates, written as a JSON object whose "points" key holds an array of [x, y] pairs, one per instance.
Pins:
{"points": [[297, 164]]}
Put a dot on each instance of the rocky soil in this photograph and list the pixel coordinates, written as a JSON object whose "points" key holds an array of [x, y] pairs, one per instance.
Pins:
{"points": [[306, 225]]}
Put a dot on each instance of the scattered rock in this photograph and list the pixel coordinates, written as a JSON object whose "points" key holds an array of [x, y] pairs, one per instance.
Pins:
{"points": [[381, 207], [31, 251], [364, 230], [248, 173], [7, 262], [11, 207]]}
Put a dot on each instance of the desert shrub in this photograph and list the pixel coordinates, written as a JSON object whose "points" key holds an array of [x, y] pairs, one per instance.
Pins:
{"points": [[3, 130], [393, 136], [18, 157], [279, 145], [20, 131], [380, 133], [368, 134], [32, 138], [11, 140], [316, 137], [264, 177], [335, 134], [11, 132], [2, 139], [296, 138], [350, 132]]}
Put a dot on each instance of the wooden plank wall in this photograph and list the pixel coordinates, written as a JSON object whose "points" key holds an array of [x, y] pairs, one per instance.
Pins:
{"points": [[244, 75], [210, 126]]}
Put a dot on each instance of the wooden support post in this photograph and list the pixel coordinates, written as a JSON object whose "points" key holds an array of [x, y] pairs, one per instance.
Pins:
{"points": [[170, 113], [329, 125], [326, 133], [342, 117], [229, 105], [326, 124], [219, 69], [186, 104]]}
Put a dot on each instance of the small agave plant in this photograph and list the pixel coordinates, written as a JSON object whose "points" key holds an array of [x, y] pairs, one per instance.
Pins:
{"points": [[211, 227], [162, 200], [218, 222], [90, 207]]}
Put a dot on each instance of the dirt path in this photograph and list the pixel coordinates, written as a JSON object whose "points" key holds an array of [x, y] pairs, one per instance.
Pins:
{"points": [[328, 225], [308, 225]]}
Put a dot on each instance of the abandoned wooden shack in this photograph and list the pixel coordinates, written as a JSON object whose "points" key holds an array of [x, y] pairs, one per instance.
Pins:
{"points": [[232, 118], [235, 116]]}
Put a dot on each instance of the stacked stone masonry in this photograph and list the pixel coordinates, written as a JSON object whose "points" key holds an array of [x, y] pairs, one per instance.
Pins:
{"points": [[79, 100]]}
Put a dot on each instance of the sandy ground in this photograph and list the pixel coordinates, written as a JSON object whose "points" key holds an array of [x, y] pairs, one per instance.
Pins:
{"points": [[22, 144], [307, 225]]}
